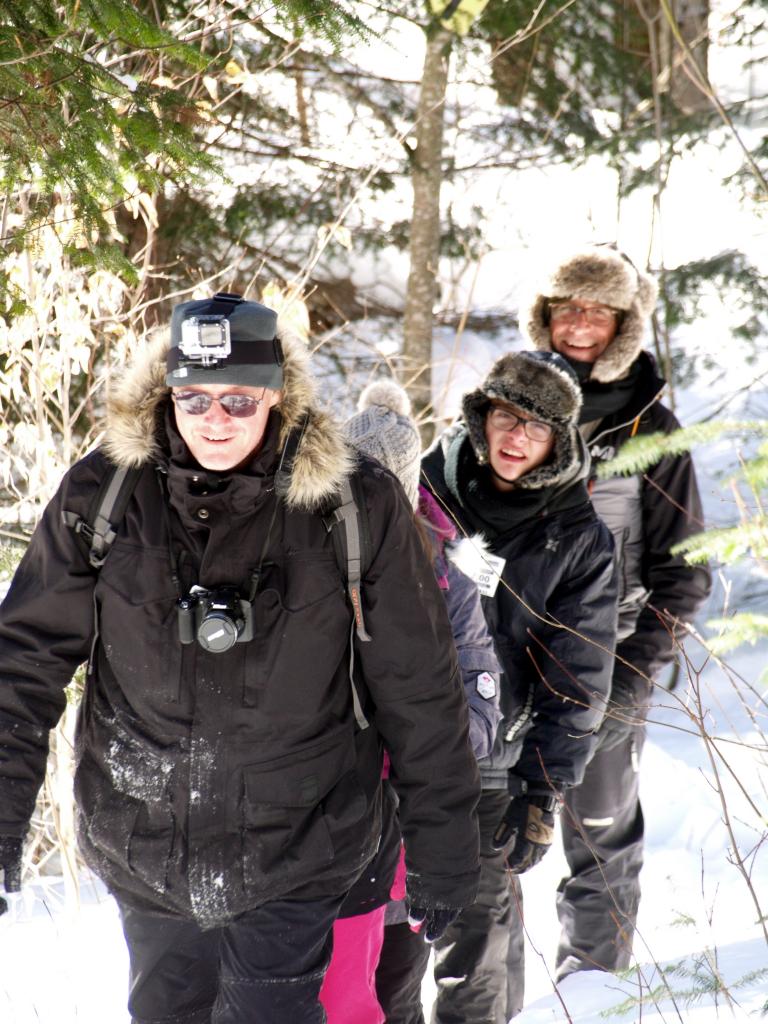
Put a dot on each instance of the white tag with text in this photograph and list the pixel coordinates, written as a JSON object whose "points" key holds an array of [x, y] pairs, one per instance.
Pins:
{"points": [[488, 574]]}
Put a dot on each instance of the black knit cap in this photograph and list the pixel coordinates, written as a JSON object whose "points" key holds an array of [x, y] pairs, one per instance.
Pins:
{"points": [[224, 340]]}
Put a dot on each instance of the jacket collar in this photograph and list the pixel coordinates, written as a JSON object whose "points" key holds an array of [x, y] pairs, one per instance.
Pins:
{"points": [[135, 431]]}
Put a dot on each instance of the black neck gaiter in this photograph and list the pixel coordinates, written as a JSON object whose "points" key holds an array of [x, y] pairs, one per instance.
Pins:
{"points": [[600, 400]]}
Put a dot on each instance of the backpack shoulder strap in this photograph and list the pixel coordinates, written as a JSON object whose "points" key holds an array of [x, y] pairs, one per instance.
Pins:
{"points": [[345, 514], [348, 524], [107, 509]]}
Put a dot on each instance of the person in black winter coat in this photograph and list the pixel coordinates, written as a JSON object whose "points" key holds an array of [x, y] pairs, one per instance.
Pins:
{"points": [[514, 472], [383, 429], [228, 779], [592, 308]]}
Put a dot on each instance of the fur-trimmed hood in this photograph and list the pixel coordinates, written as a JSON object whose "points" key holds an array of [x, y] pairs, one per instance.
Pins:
{"points": [[598, 273], [323, 458], [539, 383]]}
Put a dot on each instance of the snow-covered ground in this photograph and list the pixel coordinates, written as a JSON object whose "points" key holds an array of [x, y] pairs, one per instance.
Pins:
{"points": [[699, 935]]}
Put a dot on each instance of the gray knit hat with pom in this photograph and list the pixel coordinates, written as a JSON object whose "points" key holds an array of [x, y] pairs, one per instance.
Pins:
{"points": [[383, 429], [542, 385], [598, 273]]}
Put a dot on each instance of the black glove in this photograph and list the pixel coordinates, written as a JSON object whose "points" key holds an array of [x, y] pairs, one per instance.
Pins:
{"points": [[10, 862], [626, 712], [433, 919], [527, 827]]}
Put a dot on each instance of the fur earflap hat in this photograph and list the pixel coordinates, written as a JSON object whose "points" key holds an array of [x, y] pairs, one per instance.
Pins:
{"points": [[599, 273], [383, 429], [539, 383]]}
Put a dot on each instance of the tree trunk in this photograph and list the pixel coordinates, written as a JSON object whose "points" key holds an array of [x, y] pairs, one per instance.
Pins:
{"points": [[692, 17], [426, 174]]}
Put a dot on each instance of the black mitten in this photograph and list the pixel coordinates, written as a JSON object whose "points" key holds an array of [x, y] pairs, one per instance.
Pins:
{"points": [[434, 920]]}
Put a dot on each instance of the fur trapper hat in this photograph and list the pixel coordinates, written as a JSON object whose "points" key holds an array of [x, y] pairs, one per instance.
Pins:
{"points": [[539, 383], [383, 428], [599, 273]]}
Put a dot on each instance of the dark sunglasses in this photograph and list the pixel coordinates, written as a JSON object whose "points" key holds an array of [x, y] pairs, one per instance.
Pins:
{"points": [[195, 403]]}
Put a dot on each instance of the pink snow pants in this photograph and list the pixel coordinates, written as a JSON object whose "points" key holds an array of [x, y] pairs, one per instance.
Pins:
{"points": [[348, 993]]}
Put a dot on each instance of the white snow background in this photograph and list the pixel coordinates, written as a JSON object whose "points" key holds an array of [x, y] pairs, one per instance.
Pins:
{"points": [[701, 950]]}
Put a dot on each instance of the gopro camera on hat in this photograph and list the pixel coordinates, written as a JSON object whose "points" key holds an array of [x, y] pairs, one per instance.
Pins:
{"points": [[224, 340], [205, 338]]}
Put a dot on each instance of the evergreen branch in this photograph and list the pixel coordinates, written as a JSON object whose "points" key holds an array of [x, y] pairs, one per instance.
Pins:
{"points": [[726, 544], [532, 28], [740, 628], [641, 452]]}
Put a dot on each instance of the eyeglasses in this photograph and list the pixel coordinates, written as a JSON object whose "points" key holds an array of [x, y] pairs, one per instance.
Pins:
{"points": [[503, 419], [598, 316], [195, 403]]}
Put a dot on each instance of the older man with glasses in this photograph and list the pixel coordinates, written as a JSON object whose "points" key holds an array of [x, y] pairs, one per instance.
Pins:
{"points": [[593, 309]]}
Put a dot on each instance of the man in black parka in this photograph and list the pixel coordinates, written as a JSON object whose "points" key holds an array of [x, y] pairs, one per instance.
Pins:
{"points": [[514, 472], [228, 785], [592, 309]]}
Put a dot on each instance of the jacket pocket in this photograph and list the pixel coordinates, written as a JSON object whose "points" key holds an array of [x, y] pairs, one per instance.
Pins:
{"points": [[301, 632], [138, 622], [122, 837], [298, 814], [133, 764], [123, 787]]}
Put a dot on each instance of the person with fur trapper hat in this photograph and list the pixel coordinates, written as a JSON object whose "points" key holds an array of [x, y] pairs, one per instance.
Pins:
{"points": [[353, 992], [229, 756], [593, 309], [512, 474]]}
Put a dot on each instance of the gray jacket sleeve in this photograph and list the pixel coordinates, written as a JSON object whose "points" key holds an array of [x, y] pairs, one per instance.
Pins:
{"points": [[480, 669]]}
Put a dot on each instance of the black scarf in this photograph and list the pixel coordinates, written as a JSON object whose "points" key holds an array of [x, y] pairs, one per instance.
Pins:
{"points": [[600, 399]]}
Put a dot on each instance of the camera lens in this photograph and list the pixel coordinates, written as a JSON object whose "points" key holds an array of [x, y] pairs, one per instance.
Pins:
{"points": [[218, 631]]}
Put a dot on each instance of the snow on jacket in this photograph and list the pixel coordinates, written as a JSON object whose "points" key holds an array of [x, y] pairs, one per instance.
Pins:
{"points": [[553, 614], [208, 784], [648, 513]]}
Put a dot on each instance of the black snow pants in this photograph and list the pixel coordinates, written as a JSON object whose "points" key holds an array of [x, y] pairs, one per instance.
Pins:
{"points": [[400, 972], [479, 961], [602, 824], [264, 967]]}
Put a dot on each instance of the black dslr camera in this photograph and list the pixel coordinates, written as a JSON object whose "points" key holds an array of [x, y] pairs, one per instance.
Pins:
{"points": [[217, 619]]}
